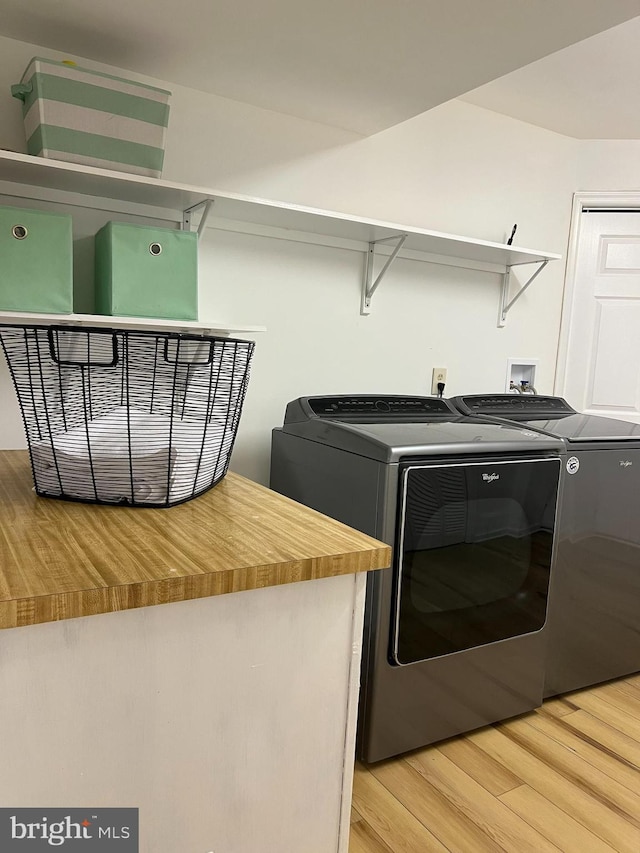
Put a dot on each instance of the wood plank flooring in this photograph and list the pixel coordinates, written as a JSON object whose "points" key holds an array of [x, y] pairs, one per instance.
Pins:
{"points": [[562, 779]]}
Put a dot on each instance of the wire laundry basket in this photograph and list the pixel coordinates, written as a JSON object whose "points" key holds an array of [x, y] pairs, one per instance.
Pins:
{"points": [[134, 418]]}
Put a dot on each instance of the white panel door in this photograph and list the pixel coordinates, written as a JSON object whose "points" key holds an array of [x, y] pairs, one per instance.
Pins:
{"points": [[602, 374]]}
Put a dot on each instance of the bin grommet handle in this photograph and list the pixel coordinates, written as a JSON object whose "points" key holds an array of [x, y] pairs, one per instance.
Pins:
{"points": [[19, 232], [155, 248]]}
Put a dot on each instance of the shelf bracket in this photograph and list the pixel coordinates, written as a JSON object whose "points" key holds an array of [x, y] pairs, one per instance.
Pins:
{"points": [[505, 306], [187, 215], [368, 284]]}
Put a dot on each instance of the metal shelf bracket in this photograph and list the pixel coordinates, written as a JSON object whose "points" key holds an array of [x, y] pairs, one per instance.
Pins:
{"points": [[505, 306], [187, 215], [368, 284]]}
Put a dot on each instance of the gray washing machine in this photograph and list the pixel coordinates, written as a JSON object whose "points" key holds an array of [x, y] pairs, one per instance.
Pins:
{"points": [[593, 629], [453, 631]]}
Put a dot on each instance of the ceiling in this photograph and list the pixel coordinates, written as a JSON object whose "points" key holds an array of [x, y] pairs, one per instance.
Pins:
{"points": [[588, 90], [362, 65]]}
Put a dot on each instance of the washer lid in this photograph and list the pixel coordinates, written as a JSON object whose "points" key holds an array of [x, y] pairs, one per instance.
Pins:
{"points": [[587, 428], [552, 415]]}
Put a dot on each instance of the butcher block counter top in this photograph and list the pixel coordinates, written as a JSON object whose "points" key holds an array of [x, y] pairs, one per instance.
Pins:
{"points": [[60, 560]]}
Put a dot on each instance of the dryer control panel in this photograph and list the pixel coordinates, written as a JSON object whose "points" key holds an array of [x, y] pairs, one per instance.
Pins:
{"points": [[374, 407]]}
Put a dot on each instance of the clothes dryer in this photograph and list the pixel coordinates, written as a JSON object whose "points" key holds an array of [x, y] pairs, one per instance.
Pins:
{"points": [[454, 630]]}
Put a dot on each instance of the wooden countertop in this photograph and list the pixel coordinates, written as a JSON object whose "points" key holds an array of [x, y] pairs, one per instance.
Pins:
{"points": [[60, 560]]}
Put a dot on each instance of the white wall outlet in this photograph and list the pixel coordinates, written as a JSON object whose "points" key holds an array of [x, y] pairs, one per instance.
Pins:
{"points": [[439, 375]]}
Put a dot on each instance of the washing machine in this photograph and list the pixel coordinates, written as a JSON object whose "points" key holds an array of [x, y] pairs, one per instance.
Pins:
{"points": [[454, 635], [593, 628]]}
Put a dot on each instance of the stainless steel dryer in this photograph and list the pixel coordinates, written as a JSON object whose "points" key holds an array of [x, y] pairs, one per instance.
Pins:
{"points": [[593, 628], [453, 632]]}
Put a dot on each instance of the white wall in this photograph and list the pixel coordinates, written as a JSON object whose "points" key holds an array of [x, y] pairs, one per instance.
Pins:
{"points": [[458, 168], [609, 164]]}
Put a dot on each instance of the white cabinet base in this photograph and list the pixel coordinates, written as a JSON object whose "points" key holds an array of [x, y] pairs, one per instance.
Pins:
{"points": [[228, 721]]}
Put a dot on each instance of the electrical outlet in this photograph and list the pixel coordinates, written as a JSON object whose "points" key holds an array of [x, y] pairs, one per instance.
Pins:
{"points": [[439, 375]]}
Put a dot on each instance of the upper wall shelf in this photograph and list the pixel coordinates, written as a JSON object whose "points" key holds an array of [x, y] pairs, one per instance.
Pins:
{"points": [[432, 246]]}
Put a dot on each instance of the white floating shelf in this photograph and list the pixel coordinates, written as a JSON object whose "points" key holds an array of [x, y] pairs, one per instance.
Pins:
{"points": [[98, 183], [11, 318], [101, 183], [230, 211]]}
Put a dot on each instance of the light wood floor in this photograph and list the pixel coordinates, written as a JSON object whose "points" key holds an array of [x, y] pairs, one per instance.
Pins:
{"points": [[563, 778]]}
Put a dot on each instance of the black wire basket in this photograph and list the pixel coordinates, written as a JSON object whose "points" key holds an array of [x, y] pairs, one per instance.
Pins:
{"points": [[133, 418]]}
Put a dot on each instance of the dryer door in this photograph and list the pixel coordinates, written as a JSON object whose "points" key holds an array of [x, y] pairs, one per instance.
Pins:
{"points": [[474, 554]]}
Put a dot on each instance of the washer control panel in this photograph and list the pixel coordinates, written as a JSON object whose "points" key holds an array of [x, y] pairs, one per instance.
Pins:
{"points": [[529, 406]]}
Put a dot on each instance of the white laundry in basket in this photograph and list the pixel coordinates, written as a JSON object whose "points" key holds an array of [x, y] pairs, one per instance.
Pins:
{"points": [[160, 468], [118, 468]]}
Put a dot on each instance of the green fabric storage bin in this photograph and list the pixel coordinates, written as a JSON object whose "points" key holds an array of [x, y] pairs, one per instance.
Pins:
{"points": [[36, 261], [146, 272], [82, 116]]}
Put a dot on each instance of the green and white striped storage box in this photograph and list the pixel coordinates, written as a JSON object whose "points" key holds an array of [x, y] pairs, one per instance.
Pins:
{"points": [[81, 116]]}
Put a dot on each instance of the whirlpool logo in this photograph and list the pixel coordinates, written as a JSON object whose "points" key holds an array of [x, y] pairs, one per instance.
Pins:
{"points": [[27, 830], [625, 463], [489, 478]]}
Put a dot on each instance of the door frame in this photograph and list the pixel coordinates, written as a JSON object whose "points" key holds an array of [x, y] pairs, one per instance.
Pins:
{"points": [[606, 200]]}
